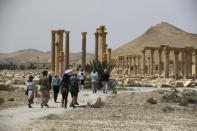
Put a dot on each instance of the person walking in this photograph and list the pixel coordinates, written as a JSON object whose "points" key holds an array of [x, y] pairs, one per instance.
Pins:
{"points": [[55, 84], [94, 80], [44, 89], [74, 90], [64, 85], [105, 81], [29, 90], [81, 77]]}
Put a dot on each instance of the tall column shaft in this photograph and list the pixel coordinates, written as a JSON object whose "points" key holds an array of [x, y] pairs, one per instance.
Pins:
{"points": [[56, 58], [138, 70], [109, 55], [105, 57], [61, 62], [60, 39], [135, 67], [186, 74], [196, 64], [96, 46], [166, 62], [176, 64], [159, 61], [143, 62], [151, 61], [149, 65], [182, 63], [67, 50], [53, 51], [83, 49]]}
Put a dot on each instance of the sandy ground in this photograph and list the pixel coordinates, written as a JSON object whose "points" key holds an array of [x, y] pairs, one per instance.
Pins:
{"points": [[18, 118], [127, 110]]}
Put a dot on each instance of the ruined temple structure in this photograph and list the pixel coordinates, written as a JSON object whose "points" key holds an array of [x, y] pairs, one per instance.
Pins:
{"points": [[59, 59], [101, 53], [183, 64]]}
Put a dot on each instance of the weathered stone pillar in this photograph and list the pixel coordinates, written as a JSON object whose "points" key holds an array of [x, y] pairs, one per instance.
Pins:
{"points": [[60, 39], [186, 74], [67, 50], [83, 49], [149, 65], [96, 46], [56, 58], [53, 50], [109, 55], [135, 67], [105, 57], [38, 63], [166, 62], [182, 63], [61, 62], [176, 64], [138, 69], [104, 42], [143, 62], [196, 64], [159, 61], [151, 61]]}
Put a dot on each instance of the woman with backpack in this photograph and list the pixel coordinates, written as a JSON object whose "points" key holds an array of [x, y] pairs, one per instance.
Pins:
{"points": [[55, 84], [81, 77], [64, 85], [74, 90]]}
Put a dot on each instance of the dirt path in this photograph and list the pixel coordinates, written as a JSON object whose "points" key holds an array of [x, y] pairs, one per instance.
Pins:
{"points": [[17, 118]]}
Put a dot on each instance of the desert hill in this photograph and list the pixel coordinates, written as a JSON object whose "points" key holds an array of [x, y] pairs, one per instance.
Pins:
{"points": [[155, 36], [30, 55]]}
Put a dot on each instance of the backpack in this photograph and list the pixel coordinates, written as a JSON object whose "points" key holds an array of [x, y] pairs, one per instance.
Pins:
{"points": [[74, 83]]}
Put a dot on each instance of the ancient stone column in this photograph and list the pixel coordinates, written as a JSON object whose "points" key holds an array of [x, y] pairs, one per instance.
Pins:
{"points": [[60, 39], [67, 50], [96, 46], [166, 62], [182, 63], [159, 61], [135, 67], [186, 74], [105, 57], [61, 59], [176, 63], [56, 58], [83, 49], [38, 63], [53, 50], [151, 61], [138, 70], [104, 42], [149, 65], [143, 62], [196, 64], [109, 55]]}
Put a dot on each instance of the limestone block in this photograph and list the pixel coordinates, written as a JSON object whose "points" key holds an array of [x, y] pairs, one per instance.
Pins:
{"points": [[97, 104], [188, 83], [179, 84], [4, 87]]}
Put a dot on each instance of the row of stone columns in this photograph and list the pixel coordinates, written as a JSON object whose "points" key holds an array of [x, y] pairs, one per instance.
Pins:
{"points": [[183, 66], [59, 59], [101, 53], [130, 62]]}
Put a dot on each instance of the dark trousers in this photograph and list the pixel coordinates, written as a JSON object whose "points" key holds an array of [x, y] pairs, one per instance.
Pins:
{"points": [[64, 98], [56, 91]]}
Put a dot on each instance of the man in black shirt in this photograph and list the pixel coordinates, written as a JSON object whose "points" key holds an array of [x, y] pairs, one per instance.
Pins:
{"points": [[105, 80]]}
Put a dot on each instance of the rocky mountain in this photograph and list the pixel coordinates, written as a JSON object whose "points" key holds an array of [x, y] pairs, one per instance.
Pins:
{"points": [[30, 55], [160, 34]]}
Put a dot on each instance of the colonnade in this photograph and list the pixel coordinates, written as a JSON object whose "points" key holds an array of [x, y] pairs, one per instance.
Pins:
{"points": [[182, 65], [101, 53], [59, 59]]}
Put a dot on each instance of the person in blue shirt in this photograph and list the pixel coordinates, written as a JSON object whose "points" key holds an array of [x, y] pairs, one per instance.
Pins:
{"points": [[56, 88], [94, 80]]}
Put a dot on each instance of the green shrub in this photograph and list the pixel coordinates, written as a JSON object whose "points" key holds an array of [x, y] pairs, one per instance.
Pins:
{"points": [[173, 97], [151, 101], [183, 103], [1, 100], [167, 109]]}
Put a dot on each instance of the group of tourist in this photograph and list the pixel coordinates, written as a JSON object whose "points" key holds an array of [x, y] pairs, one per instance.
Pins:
{"points": [[69, 83]]}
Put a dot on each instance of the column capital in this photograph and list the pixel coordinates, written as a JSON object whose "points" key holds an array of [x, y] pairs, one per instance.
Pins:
{"points": [[67, 32], [109, 49], [84, 34], [53, 32], [60, 31]]}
